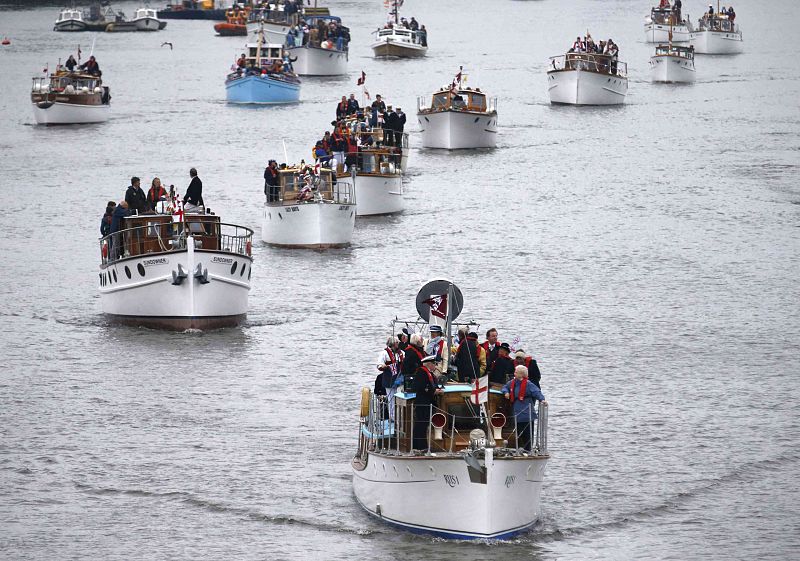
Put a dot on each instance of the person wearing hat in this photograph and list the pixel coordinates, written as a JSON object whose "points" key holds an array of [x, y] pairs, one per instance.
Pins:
{"points": [[399, 125], [436, 343], [414, 353], [523, 396], [272, 182], [378, 108], [425, 390], [389, 367], [503, 367], [520, 358], [389, 126], [469, 358]]}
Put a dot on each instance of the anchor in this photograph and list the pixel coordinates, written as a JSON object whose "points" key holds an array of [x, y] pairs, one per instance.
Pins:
{"points": [[201, 274], [177, 278]]}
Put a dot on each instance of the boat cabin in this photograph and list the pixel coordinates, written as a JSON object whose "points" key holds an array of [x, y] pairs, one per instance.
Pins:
{"points": [[400, 34], [663, 16], [717, 22], [592, 62], [675, 51], [378, 160], [68, 83], [270, 52], [297, 185], [144, 13], [462, 99], [69, 14]]}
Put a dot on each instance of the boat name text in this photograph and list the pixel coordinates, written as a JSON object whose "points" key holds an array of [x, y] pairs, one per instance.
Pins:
{"points": [[451, 480], [510, 480], [292, 209], [225, 260], [159, 261]]}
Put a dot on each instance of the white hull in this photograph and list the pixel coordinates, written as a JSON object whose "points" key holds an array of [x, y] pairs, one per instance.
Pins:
{"points": [[151, 299], [70, 25], [583, 87], [456, 129], [659, 33], [672, 69], [312, 225], [437, 495], [717, 42], [318, 62], [71, 114], [147, 24], [273, 32], [379, 194], [388, 47]]}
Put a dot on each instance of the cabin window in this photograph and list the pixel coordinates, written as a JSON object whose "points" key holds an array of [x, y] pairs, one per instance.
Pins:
{"points": [[153, 229], [368, 162], [477, 102], [440, 101], [127, 271]]}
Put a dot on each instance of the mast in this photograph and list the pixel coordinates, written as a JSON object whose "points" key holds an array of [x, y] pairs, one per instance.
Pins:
{"points": [[448, 328], [259, 43], [396, 12]]}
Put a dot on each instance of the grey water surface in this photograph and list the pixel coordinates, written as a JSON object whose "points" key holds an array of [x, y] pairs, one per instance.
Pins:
{"points": [[646, 254]]}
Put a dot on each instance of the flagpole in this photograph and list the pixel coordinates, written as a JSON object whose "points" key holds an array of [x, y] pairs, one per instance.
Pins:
{"points": [[449, 325]]}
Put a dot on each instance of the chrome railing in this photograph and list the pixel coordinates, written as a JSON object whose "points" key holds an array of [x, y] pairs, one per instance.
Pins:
{"points": [[602, 64], [162, 237], [320, 190], [717, 24]]}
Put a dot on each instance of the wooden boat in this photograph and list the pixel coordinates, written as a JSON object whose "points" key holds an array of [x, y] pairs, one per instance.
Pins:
{"points": [[66, 98], [587, 79], [398, 41], [264, 79]]}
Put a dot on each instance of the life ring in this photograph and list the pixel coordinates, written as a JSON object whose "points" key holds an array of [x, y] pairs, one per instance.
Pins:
{"points": [[364, 402]]}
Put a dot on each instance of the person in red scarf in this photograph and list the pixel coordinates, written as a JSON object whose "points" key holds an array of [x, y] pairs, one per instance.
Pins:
{"points": [[523, 395]]}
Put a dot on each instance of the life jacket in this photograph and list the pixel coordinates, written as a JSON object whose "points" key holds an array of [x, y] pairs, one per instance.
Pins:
{"points": [[428, 372], [523, 385]]}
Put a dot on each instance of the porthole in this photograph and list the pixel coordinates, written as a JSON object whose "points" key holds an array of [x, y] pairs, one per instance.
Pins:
{"points": [[114, 271], [243, 268], [127, 271], [140, 268], [233, 267]]}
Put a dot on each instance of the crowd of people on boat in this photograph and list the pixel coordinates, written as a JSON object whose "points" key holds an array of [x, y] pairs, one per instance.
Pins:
{"points": [[276, 67], [672, 11], [411, 363], [419, 32], [722, 20], [606, 63], [89, 67], [156, 200], [320, 33]]}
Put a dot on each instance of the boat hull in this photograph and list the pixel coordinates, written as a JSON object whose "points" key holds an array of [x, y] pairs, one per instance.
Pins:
{"points": [[309, 225], [717, 42], [389, 48], [258, 90], [659, 33], [318, 62], [192, 14], [69, 113], [273, 32], [230, 29], [672, 69], [437, 495], [458, 129], [583, 87], [70, 25], [379, 194], [147, 24], [140, 291]]}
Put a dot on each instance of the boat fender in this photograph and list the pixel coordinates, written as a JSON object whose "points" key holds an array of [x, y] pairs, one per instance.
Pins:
{"points": [[249, 248], [104, 250], [364, 412]]}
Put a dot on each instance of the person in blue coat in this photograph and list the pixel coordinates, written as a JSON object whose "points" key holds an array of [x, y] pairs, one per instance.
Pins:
{"points": [[523, 395]]}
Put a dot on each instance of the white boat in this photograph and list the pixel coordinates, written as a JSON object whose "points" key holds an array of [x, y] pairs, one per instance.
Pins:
{"points": [[317, 61], [176, 272], [672, 64], [146, 19], [67, 98], [309, 211], [70, 19], [657, 26], [397, 40], [587, 79], [475, 479], [717, 35], [457, 117], [277, 23], [379, 182]]}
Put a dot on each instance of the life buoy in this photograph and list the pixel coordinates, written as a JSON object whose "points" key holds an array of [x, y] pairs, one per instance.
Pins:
{"points": [[364, 412]]}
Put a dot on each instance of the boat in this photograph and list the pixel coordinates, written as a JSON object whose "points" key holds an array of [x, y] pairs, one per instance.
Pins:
{"points": [[5, 41], [457, 117], [70, 19], [146, 19], [263, 79], [277, 21], [587, 78], [397, 40], [672, 64], [320, 58], [717, 34], [379, 180], [658, 24], [191, 9], [475, 479], [309, 209], [235, 23], [67, 98], [176, 271]]}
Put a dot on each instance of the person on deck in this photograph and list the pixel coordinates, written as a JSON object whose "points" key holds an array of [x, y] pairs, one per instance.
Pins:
{"points": [[412, 360], [155, 194], [389, 124], [437, 341], [135, 197], [193, 200], [399, 125], [503, 367], [71, 63], [352, 105], [470, 358], [120, 212], [105, 222], [523, 396], [378, 108], [91, 67], [389, 365], [342, 108], [241, 62], [272, 182], [425, 390], [491, 346], [520, 358]]}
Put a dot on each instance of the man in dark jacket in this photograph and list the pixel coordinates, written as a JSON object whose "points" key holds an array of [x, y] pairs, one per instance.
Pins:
{"points": [[193, 200], [400, 124], [120, 212], [352, 105], [135, 197], [272, 182], [470, 358], [389, 126], [414, 353], [503, 367], [425, 389]]}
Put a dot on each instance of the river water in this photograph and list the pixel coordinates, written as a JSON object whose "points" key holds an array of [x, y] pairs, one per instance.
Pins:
{"points": [[647, 255]]}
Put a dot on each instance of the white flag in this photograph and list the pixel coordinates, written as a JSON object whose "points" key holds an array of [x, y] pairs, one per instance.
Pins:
{"points": [[480, 390]]}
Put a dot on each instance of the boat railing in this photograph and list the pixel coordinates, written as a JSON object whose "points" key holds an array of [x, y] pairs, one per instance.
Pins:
{"points": [[389, 428], [425, 104], [593, 62], [319, 190], [160, 236], [717, 23]]}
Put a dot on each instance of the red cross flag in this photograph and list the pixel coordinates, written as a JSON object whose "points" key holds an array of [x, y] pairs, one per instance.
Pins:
{"points": [[480, 390], [438, 305]]}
